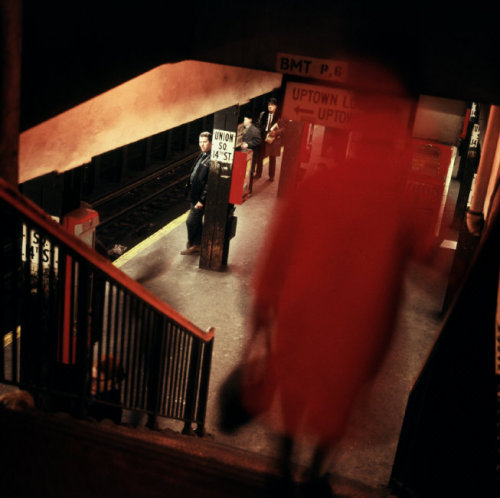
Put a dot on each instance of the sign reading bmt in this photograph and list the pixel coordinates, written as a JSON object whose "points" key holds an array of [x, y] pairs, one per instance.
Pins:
{"points": [[310, 67]]}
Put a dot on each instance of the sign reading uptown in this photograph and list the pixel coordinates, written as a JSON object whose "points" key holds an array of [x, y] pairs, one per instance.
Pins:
{"points": [[317, 104]]}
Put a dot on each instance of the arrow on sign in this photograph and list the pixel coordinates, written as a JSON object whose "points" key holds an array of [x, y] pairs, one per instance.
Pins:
{"points": [[298, 110]]}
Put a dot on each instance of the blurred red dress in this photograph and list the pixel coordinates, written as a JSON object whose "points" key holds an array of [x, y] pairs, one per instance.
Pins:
{"points": [[329, 285]]}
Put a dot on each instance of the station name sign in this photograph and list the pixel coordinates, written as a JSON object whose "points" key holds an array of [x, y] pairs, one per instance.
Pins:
{"points": [[223, 143], [310, 67], [319, 105]]}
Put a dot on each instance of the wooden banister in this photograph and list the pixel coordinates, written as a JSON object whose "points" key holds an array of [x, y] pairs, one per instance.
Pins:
{"points": [[31, 211]]}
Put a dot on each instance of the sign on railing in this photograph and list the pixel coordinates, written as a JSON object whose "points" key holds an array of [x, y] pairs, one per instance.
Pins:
{"points": [[39, 249]]}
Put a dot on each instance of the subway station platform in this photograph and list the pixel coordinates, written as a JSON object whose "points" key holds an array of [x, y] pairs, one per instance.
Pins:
{"points": [[361, 464]]}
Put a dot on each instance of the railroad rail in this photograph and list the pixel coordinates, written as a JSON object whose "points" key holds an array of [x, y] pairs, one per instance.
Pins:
{"points": [[131, 213]]}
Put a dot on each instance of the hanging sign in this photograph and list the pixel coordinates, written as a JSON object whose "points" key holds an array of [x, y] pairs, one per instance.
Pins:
{"points": [[311, 67], [317, 104], [38, 249], [223, 143]]}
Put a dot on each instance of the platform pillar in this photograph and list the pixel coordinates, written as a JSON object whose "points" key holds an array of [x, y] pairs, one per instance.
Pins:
{"points": [[10, 89], [219, 224]]}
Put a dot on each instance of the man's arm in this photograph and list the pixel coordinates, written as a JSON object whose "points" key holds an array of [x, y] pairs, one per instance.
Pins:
{"points": [[204, 169], [255, 138], [278, 128]]}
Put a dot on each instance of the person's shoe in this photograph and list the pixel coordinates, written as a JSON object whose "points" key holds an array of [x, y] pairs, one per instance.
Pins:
{"points": [[320, 487], [256, 177], [271, 179], [191, 250], [117, 250]]}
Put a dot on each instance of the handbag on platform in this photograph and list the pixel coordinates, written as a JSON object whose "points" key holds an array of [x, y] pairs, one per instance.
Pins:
{"points": [[248, 376], [232, 412]]}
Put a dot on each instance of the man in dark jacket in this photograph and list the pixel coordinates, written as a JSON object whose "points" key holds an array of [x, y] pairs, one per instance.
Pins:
{"points": [[251, 139], [196, 191], [271, 128]]}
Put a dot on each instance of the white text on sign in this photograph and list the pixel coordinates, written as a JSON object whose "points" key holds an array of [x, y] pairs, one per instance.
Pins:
{"points": [[223, 143], [39, 250], [311, 67], [317, 104]]}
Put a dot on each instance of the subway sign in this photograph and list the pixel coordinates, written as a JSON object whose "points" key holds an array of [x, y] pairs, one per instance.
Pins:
{"points": [[319, 105], [311, 67]]}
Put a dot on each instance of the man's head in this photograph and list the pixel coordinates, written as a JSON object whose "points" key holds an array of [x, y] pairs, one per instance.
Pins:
{"points": [[272, 104], [205, 141], [247, 121]]}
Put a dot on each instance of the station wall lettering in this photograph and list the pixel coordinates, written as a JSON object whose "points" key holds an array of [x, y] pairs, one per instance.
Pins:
{"points": [[318, 104], [223, 143], [312, 67]]}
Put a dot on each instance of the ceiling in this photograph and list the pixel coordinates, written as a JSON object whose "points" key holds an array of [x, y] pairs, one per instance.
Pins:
{"points": [[72, 51]]}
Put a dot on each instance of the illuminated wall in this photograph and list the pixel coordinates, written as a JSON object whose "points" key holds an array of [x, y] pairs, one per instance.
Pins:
{"points": [[167, 96]]}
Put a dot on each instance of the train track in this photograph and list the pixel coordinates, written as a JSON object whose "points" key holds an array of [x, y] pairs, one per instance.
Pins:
{"points": [[134, 212]]}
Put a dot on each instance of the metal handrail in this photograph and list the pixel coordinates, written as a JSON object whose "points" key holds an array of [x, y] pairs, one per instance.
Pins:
{"points": [[87, 331], [37, 215]]}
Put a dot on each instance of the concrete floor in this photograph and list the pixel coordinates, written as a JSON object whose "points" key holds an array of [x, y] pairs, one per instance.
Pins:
{"points": [[361, 464], [221, 300]]}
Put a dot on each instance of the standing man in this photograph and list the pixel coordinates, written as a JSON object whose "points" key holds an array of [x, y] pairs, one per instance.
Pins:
{"points": [[196, 193], [271, 128], [251, 139]]}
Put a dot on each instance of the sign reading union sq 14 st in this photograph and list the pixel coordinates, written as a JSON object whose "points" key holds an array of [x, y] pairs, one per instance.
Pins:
{"points": [[223, 146], [317, 104]]}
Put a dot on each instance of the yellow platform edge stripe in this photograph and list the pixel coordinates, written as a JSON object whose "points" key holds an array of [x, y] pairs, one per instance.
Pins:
{"points": [[127, 256]]}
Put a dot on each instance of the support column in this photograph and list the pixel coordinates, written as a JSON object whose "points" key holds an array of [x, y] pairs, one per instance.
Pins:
{"points": [[468, 166], [467, 242], [219, 224], [10, 62], [290, 161], [475, 215]]}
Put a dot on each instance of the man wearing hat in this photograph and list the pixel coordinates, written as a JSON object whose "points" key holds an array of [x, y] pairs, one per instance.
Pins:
{"points": [[271, 129], [251, 139]]}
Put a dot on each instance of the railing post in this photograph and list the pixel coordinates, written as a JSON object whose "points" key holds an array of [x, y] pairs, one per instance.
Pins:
{"points": [[204, 383], [153, 367], [11, 282], [192, 387], [83, 337], [35, 333]]}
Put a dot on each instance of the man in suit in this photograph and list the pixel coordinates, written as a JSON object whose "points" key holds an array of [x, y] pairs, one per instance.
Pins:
{"points": [[196, 193], [251, 139], [271, 128]]}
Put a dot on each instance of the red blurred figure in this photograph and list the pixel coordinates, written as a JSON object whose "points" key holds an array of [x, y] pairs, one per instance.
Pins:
{"points": [[330, 278]]}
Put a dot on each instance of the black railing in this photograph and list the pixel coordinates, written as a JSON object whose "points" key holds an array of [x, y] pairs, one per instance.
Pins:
{"points": [[83, 337]]}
